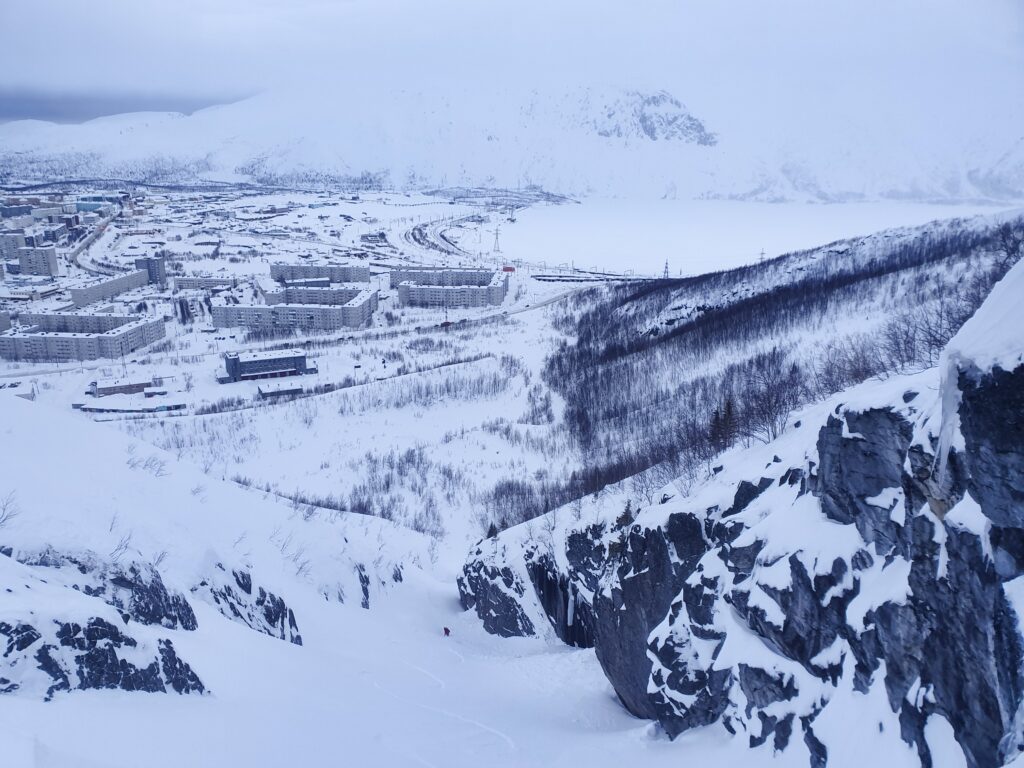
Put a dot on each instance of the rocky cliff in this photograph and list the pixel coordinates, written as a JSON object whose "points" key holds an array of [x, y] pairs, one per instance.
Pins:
{"points": [[853, 588]]}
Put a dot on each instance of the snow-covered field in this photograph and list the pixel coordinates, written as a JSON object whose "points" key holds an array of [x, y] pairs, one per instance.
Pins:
{"points": [[379, 687]]}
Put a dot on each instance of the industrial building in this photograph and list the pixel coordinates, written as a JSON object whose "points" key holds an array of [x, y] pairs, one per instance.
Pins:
{"points": [[442, 287], [38, 261], [107, 287], [354, 313], [18, 288], [68, 336], [336, 273], [246, 366], [126, 386]]}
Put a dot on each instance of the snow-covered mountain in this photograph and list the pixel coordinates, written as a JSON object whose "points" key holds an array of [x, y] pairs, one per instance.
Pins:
{"points": [[789, 101], [578, 141]]}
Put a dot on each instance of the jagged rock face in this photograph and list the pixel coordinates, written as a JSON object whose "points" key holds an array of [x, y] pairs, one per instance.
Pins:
{"points": [[562, 596], [136, 591], [493, 592], [956, 608], [648, 577], [570, 614], [859, 467], [861, 566], [108, 632], [65, 655], [992, 422], [235, 596]]}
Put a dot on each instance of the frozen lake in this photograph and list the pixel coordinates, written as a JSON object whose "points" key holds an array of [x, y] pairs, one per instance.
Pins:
{"points": [[698, 235]]}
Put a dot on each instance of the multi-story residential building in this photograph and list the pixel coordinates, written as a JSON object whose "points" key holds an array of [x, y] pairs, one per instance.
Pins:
{"points": [[354, 313], [38, 261], [205, 283], [107, 287], [10, 244], [5, 321], [155, 268], [293, 293], [62, 337], [336, 273], [10, 211], [441, 287]]}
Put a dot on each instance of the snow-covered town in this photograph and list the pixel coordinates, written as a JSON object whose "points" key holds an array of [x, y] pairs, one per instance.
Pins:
{"points": [[446, 384]]}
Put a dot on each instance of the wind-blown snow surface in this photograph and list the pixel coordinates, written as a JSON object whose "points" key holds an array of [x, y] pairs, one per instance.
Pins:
{"points": [[792, 100], [378, 687]]}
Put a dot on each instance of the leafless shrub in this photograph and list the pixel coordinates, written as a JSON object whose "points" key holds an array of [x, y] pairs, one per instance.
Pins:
{"points": [[122, 546], [8, 508]]}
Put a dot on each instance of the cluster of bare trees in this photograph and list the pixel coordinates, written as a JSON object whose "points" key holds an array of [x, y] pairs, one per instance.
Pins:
{"points": [[628, 421]]}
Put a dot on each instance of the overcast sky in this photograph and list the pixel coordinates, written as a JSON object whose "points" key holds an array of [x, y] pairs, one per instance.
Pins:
{"points": [[70, 60]]}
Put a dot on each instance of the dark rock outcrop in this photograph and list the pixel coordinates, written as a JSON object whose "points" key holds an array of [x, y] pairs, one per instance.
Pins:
{"points": [[494, 593], [992, 423], [236, 597], [66, 655], [896, 582], [136, 590]]}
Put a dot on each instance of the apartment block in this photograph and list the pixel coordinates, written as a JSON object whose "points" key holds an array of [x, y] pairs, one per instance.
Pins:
{"points": [[354, 313], [38, 261], [10, 244], [155, 268], [59, 337], [441, 287], [108, 287], [203, 283], [336, 273], [334, 294], [246, 366]]}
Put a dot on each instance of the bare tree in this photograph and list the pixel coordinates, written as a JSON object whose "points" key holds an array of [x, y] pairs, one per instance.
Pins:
{"points": [[1010, 242], [8, 508], [774, 388]]}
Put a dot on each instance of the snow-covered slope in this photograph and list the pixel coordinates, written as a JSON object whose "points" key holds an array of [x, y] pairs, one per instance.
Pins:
{"points": [[848, 592], [123, 643], [117, 574]]}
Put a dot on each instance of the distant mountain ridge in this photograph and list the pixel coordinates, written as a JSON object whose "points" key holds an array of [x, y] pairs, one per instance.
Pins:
{"points": [[579, 141]]}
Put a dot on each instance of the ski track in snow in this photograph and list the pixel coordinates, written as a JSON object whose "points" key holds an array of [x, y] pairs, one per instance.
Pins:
{"points": [[476, 723]]}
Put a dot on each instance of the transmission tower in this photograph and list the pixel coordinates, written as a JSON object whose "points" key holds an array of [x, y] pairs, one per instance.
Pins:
{"points": [[665, 273], [497, 246]]}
